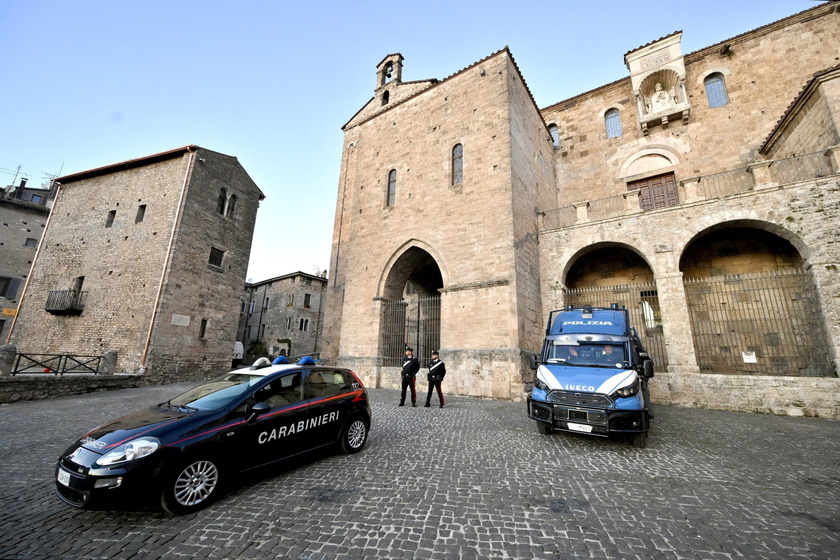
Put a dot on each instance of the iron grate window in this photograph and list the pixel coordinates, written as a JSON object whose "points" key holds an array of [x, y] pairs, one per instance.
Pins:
{"points": [[216, 257]]}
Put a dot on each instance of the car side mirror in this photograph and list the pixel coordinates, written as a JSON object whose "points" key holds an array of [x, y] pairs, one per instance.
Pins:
{"points": [[532, 359], [647, 368], [256, 410]]}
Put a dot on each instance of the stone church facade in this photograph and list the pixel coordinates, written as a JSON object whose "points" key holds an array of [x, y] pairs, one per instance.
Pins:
{"points": [[146, 258], [701, 192]]}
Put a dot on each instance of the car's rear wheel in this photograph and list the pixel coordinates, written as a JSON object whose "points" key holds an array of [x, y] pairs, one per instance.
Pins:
{"points": [[354, 435], [191, 486]]}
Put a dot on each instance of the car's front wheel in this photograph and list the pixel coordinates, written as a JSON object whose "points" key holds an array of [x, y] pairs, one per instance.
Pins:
{"points": [[639, 440], [544, 428], [191, 486], [354, 435]]}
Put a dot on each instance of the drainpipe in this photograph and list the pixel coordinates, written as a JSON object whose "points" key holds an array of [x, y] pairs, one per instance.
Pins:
{"points": [[166, 261]]}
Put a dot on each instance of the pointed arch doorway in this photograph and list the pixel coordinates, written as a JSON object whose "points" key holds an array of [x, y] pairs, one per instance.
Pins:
{"points": [[411, 308]]}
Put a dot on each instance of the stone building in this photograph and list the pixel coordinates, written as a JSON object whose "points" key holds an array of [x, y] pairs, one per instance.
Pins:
{"points": [[23, 215], [700, 192], [283, 316], [146, 258]]}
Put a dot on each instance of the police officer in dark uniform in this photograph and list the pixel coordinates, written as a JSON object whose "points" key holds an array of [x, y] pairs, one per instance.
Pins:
{"points": [[437, 371], [410, 367]]}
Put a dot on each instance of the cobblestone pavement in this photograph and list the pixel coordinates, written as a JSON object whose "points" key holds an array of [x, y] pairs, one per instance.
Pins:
{"points": [[472, 480]]}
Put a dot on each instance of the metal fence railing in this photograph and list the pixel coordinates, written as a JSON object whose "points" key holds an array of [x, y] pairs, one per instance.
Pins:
{"points": [[57, 364], [412, 322], [642, 304], [762, 323]]}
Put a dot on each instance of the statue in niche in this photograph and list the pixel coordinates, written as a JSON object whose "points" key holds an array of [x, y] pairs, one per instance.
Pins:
{"points": [[661, 100]]}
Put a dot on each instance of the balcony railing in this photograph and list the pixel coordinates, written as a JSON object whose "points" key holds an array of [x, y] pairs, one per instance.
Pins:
{"points": [[66, 302], [766, 174]]}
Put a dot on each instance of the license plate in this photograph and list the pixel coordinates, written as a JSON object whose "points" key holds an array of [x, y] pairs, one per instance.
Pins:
{"points": [[580, 427], [64, 477]]}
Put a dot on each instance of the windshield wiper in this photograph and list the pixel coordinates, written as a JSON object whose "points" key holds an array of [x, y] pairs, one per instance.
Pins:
{"points": [[168, 404]]}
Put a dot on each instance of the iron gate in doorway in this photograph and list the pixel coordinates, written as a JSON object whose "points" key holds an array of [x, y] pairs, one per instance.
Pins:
{"points": [[412, 322], [642, 304], [765, 323]]}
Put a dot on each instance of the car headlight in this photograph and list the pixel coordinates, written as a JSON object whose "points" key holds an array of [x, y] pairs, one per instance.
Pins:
{"points": [[130, 451], [629, 390], [540, 384]]}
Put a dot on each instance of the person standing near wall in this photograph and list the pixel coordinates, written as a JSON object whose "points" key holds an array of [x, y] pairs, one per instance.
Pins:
{"points": [[437, 371], [410, 367]]}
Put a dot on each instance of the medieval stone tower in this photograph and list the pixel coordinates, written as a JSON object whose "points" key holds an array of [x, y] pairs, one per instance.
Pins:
{"points": [[146, 258], [435, 242]]}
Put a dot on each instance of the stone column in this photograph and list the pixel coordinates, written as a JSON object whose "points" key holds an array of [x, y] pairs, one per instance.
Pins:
{"points": [[827, 280], [631, 201], [833, 153], [679, 343], [582, 209], [8, 352], [691, 189], [109, 363], [761, 174]]}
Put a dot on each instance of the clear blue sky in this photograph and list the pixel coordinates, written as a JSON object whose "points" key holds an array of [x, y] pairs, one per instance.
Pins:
{"points": [[90, 83]]}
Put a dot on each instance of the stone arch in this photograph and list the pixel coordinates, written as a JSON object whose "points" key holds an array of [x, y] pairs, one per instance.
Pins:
{"points": [[753, 305], [592, 252], [744, 218], [668, 79], [398, 270], [722, 70], [409, 291], [609, 273], [649, 161]]}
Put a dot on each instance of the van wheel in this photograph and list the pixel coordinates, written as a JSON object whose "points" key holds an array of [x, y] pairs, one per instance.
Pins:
{"points": [[354, 435], [544, 428], [191, 486], [640, 440]]}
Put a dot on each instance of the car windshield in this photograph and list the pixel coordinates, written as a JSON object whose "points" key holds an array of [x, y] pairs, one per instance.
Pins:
{"points": [[218, 393], [598, 355]]}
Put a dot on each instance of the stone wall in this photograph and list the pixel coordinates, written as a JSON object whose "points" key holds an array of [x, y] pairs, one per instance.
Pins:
{"points": [[19, 222], [764, 70], [805, 214], [784, 396], [120, 263], [36, 387], [198, 296]]}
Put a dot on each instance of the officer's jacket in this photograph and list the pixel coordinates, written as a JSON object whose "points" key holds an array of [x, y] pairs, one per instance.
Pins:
{"points": [[410, 366], [437, 370]]}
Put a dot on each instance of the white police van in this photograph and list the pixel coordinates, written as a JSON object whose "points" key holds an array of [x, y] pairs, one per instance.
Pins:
{"points": [[592, 375]]}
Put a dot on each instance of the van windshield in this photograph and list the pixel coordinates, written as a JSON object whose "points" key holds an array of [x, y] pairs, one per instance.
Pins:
{"points": [[588, 354]]}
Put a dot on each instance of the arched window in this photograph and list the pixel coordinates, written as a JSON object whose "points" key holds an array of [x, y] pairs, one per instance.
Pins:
{"points": [[612, 120], [457, 164], [231, 206], [392, 187], [716, 90], [555, 135], [220, 203], [386, 95]]}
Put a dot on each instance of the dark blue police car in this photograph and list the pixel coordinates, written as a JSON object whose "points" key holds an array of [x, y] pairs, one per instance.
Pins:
{"points": [[186, 448]]}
